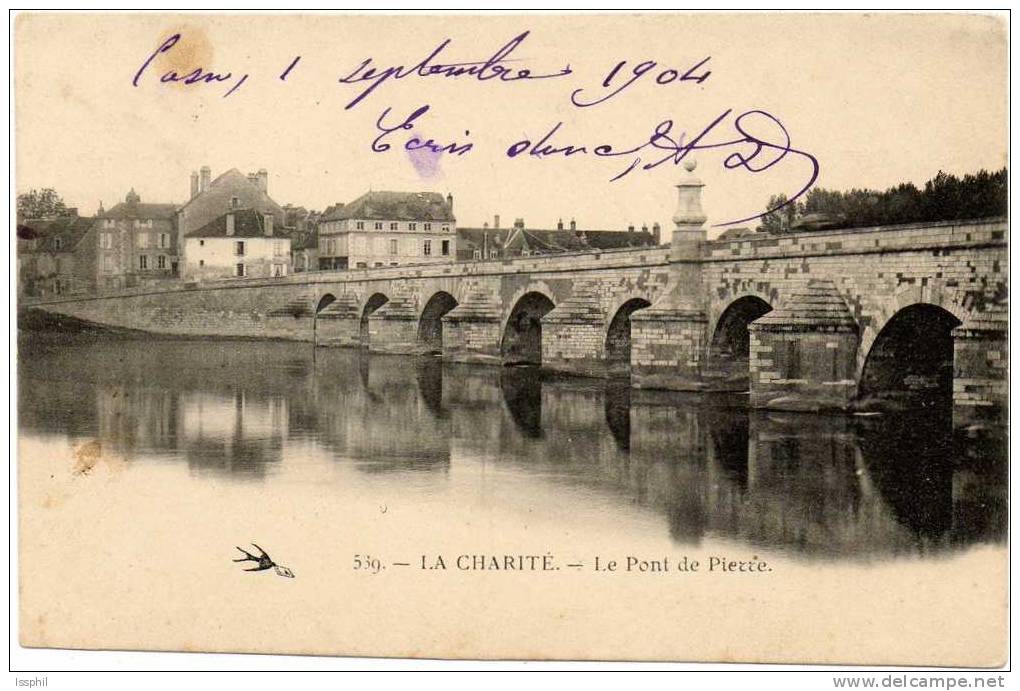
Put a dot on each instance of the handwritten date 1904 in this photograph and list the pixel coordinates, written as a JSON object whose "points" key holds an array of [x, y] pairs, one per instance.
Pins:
{"points": [[758, 142]]}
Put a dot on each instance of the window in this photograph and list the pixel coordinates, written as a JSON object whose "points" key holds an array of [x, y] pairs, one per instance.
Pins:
{"points": [[278, 248], [161, 261], [109, 223], [427, 251], [106, 241], [378, 264], [360, 225], [143, 262], [428, 226], [201, 243], [477, 254], [393, 246], [201, 262], [239, 269], [277, 270], [412, 226], [108, 264], [234, 203], [378, 225], [393, 226], [164, 240], [239, 250], [56, 245], [446, 228], [143, 240], [493, 254], [362, 265], [446, 248]]}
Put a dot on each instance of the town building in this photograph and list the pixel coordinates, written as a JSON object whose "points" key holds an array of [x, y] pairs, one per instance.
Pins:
{"points": [[211, 198], [136, 243], [388, 229], [55, 257], [241, 243], [520, 241]]}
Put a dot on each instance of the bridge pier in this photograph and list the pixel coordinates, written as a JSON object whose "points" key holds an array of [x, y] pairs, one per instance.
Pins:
{"points": [[980, 370], [803, 354], [669, 339], [573, 335], [393, 328], [338, 324], [471, 330]]}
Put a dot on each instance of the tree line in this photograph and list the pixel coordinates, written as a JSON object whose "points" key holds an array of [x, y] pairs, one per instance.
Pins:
{"points": [[945, 197]]}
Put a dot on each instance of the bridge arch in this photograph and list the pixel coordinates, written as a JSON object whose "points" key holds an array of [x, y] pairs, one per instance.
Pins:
{"points": [[374, 302], [730, 348], [910, 359], [521, 342], [931, 294], [618, 339], [325, 300], [430, 323]]}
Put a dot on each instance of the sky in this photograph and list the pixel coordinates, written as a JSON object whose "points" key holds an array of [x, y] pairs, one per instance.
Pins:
{"points": [[866, 101]]}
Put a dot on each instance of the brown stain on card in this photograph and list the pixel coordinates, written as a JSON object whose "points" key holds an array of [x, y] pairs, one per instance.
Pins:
{"points": [[193, 51], [86, 456]]}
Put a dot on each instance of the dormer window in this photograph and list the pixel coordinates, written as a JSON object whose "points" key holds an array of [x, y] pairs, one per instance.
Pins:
{"points": [[235, 203]]}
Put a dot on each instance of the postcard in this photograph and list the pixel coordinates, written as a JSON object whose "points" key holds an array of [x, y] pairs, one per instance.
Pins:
{"points": [[646, 337]]}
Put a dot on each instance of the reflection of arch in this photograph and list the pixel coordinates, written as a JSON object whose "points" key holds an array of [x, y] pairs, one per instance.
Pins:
{"points": [[730, 347], [375, 302], [618, 340], [429, 373], [324, 302], [522, 393], [522, 335], [617, 408], [911, 357], [430, 325]]}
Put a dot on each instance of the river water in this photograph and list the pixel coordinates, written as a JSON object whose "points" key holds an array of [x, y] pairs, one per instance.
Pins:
{"points": [[143, 464]]}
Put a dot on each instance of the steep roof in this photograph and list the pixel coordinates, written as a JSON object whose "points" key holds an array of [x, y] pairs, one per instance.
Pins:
{"points": [[248, 223], [232, 179], [46, 231], [141, 210], [396, 206]]}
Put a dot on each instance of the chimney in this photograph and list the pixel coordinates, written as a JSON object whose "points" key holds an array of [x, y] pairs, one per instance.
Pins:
{"points": [[194, 184], [449, 201], [656, 230], [573, 224], [630, 228], [264, 180], [518, 223], [230, 224], [496, 224], [204, 181], [267, 222], [644, 227], [559, 224]]}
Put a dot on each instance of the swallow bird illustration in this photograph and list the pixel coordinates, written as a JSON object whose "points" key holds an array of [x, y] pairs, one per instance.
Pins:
{"points": [[263, 562]]}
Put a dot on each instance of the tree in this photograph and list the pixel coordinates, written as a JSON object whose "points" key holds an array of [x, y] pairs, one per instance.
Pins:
{"points": [[944, 198], [781, 215], [41, 203]]}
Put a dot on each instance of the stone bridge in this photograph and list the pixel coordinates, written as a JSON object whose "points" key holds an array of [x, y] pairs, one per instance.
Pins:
{"points": [[845, 320]]}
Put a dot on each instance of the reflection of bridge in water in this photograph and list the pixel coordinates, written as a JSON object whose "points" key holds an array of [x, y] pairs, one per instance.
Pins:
{"points": [[811, 484]]}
